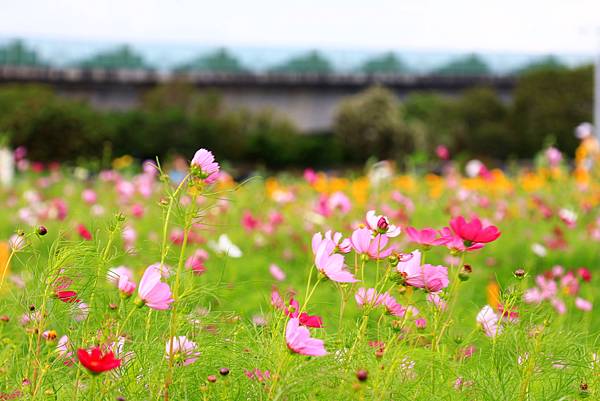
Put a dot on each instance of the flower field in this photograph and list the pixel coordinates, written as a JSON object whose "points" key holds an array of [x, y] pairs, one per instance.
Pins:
{"points": [[144, 283]]}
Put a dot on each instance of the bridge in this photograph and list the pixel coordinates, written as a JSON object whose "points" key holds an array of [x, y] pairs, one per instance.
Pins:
{"points": [[310, 100]]}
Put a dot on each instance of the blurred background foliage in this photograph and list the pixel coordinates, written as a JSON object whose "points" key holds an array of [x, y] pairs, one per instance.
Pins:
{"points": [[547, 103]]}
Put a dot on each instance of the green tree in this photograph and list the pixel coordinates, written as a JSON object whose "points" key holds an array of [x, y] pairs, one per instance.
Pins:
{"points": [[371, 124], [385, 64], [311, 63], [550, 103], [468, 65]]}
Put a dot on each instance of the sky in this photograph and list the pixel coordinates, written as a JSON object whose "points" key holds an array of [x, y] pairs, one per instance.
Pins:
{"points": [[529, 26]]}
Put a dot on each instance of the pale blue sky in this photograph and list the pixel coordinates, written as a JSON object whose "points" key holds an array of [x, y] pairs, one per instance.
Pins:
{"points": [[533, 26]]}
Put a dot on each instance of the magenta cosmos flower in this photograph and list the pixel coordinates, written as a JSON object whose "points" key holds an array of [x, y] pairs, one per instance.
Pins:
{"points": [[364, 243], [152, 292], [298, 340], [205, 167], [181, 350], [332, 264], [473, 231], [426, 236]]}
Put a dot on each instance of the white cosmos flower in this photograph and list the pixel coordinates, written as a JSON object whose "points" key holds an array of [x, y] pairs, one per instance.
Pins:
{"points": [[225, 247]]}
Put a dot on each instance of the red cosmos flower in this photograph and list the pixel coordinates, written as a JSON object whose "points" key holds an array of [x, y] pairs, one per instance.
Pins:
{"points": [[304, 318], [67, 296], [473, 231], [96, 362], [585, 274], [84, 233]]}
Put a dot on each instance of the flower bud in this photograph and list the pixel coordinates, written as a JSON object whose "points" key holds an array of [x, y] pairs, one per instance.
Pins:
{"points": [[362, 375], [223, 371], [465, 272], [41, 230], [520, 273]]}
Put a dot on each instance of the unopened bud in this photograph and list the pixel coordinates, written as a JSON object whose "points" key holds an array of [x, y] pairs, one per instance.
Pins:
{"points": [[362, 375]]}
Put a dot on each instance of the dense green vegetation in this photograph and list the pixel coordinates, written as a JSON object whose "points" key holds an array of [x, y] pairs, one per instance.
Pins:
{"points": [[547, 103]]}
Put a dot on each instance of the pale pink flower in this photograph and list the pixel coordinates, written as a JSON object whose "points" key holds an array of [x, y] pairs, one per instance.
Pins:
{"points": [[559, 306], [207, 168], [332, 265], [436, 300], [336, 240], [381, 225], [489, 321], [81, 312], [116, 272], [89, 196], [364, 243], [181, 350], [298, 340], [152, 292], [583, 304], [553, 156], [368, 297], [339, 201], [276, 272]]}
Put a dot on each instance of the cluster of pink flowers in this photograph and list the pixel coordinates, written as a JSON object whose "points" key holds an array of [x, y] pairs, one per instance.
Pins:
{"points": [[556, 286]]}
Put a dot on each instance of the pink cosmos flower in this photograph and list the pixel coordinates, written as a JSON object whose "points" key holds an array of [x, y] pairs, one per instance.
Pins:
{"points": [[364, 243], [474, 231], [249, 222], [137, 210], [125, 286], [196, 262], [332, 264], [336, 240], [368, 297], [89, 196], [553, 156], [420, 323], [426, 236], [583, 304], [207, 168], [298, 340], [456, 243], [310, 176], [181, 350], [559, 306], [276, 272], [258, 375], [339, 201], [436, 300], [381, 225], [152, 292], [116, 272], [392, 306], [429, 277], [442, 152]]}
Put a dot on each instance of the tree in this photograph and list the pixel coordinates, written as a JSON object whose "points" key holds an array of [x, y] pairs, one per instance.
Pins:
{"points": [[550, 103], [468, 65], [370, 124], [385, 64], [219, 61], [311, 63]]}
